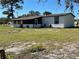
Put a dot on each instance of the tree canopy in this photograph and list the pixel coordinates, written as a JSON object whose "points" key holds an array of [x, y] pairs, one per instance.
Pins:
{"points": [[9, 5], [34, 13], [68, 3], [31, 13], [47, 13]]}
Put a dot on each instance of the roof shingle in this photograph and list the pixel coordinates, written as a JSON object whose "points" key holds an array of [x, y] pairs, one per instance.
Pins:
{"points": [[35, 17]]}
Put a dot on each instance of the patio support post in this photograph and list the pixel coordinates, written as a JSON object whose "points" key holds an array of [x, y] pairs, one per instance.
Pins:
{"points": [[21, 21]]}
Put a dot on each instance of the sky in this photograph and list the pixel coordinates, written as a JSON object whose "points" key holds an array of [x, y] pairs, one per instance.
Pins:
{"points": [[50, 6]]}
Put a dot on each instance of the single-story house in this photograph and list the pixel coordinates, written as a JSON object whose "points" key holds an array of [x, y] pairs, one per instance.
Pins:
{"points": [[55, 20]]}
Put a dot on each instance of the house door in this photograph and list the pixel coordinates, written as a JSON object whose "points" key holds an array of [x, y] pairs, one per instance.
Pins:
{"points": [[2, 54]]}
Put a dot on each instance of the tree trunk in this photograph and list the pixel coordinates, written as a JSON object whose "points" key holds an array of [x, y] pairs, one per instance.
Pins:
{"points": [[11, 11]]}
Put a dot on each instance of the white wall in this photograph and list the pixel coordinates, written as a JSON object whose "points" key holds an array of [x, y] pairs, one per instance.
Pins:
{"points": [[16, 25], [61, 22], [47, 21], [69, 21], [50, 20], [64, 21]]}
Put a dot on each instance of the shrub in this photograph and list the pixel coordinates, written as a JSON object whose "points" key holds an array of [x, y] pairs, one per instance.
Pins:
{"points": [[36, 48]]}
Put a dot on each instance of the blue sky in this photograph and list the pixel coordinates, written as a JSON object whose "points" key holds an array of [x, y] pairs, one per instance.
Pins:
{"points": [[51, 6]]}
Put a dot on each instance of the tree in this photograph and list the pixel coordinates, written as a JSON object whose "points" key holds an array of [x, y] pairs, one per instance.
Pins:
{"points": [[31, 13], [24, 15], [37, 13], [9, 5], [34, 13], [68, 3], [47, 13], [4, 20]]}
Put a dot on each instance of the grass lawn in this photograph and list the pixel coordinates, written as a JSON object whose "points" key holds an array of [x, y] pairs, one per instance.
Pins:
{"points": [[9, 35]]}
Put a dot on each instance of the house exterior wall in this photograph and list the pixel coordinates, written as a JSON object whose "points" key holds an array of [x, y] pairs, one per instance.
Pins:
{"points": [[26, 25], [69, 21], [50, 20], [64, 21], [47, 21]]}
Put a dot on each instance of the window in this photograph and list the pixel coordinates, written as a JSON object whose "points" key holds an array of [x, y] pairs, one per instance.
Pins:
{"points": [[40, 21], [19, 22], [31, 21], [56, 20]]}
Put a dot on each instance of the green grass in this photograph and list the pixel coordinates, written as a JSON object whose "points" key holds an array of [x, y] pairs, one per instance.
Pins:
{"points": [[9, 35]]}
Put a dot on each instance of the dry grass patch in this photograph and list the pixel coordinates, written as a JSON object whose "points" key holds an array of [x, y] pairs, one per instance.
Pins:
{"points": [[9, 35]]}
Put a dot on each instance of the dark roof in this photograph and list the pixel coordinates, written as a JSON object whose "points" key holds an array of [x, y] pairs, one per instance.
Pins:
{"points": [[62, 14], [35, 17], [27, 18]]}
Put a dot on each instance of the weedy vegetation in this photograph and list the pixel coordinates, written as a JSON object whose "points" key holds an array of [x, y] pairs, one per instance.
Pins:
{"points": [[9, 35]]}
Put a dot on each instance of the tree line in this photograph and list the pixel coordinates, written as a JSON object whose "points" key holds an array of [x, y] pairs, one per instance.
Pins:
{"points": [[11, 5], [35, 13], [30, 13]]}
